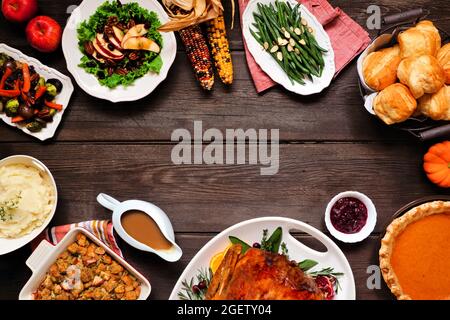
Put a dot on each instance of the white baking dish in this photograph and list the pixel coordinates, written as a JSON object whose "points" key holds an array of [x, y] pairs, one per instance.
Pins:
{"points": [[46, 254]]}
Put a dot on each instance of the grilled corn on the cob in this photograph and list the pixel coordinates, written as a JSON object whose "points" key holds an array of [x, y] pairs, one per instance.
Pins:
{"points": [[198, 54], [220, 48]]}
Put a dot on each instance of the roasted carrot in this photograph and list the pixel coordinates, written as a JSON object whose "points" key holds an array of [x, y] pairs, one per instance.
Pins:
{"points": [[24, 96], [9, 93], [26, 78], [53, 105], [40, 92], [7, 73], [17, 119]]}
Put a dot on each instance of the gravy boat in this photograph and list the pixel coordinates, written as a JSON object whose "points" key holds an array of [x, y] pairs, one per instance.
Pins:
{"points": [[160, 217]]}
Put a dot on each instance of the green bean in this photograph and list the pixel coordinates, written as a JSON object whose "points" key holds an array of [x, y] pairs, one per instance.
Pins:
{"points": [[278, 20]]}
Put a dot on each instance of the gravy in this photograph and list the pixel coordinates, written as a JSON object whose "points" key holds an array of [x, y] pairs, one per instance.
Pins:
{"points": [[144, 229]]}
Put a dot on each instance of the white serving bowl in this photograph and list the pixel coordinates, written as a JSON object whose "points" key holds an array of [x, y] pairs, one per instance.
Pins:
{"points": [[88, 82], [8, 245], [46, 254], [368, 227]]}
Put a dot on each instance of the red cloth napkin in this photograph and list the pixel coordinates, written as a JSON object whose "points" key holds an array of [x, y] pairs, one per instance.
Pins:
{"points": [[102, 229], [347, 38]]}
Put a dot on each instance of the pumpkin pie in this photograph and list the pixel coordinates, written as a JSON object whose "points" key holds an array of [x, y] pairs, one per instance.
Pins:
{"points": [[415, 253]]}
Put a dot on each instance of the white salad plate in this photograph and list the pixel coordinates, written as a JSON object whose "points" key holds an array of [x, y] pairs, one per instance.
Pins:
{"points": [[251, 231], [88, 82], [48, 73], [8, 245], [271, 67]]}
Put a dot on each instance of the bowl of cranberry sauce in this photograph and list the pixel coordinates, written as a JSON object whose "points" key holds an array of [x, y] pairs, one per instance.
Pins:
{"points": [[350, 216]]}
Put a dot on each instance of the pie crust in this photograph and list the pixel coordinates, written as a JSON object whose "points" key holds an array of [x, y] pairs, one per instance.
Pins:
{"points": [[395, 229]]}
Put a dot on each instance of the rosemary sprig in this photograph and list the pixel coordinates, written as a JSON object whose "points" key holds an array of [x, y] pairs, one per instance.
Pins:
{"points": [[284, 250], [265, 245], [9, 205], [329, 272], [187, 291]]}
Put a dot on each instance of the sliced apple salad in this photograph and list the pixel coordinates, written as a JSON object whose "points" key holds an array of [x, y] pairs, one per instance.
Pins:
{"points": [[121, 43]]}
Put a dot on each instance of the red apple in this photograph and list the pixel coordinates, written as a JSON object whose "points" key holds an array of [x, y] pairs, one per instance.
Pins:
{"points": [[19, 10], [44, 34]]}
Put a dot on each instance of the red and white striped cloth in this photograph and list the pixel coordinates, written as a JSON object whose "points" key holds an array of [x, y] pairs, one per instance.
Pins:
{"points": [[347, 37], [102, 229]]}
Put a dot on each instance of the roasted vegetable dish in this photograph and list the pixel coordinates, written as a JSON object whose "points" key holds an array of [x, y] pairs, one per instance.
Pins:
{"points": [[286, 36], [85, 272], [121, 43], [25, 96]]}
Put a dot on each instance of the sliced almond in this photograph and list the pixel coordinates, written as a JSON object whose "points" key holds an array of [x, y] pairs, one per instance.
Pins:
{"points": [[302, 42], [298, 31], [274, 49], [279, 56], [290, 48], [266, 45]]}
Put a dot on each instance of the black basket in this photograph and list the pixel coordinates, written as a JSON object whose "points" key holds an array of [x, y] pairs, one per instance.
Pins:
{"points": [[420, 127]]}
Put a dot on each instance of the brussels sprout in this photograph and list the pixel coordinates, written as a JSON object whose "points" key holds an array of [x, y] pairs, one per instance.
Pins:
{"points": [[43, 123], [25, 111], [3, 58], [34, 126], [51, 90], [12, 106], [58, 84], [41, 82]]}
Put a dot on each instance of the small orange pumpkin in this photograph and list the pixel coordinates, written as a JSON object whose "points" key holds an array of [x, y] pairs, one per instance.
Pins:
{"points": [[437, 164]]}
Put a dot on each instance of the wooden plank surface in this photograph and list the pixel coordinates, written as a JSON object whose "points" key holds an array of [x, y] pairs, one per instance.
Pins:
{"points": [[328, 144], [309, 176]]}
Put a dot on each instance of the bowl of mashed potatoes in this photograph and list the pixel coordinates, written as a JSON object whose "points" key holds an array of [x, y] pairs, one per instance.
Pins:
{"points": [[28, 198]]}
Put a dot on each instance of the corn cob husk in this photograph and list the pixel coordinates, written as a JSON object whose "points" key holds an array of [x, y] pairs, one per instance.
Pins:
{"points": [[198, 54], [220, 49]]}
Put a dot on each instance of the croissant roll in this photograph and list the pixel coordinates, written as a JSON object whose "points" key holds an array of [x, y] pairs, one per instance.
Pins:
{"points": [[436, 106], [422, 74], [380, 68], [443, 57], [422, 39], [394, 104]]}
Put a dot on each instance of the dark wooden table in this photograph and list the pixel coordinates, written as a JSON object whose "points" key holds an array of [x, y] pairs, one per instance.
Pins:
{"points": [[328, 144]]}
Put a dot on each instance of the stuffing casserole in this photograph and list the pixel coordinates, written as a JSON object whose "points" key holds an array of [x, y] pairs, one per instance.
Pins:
{"points": [[84, 271]]}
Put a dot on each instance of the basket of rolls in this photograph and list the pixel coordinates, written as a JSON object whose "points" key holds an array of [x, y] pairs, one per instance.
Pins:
{"points": [[405, 79]]}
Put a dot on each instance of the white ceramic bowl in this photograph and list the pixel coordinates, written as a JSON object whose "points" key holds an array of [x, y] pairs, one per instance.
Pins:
{"points": [[46, 254], [271, 67], [8, 245], [48, 73], [368, 227], [88, 82]]}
